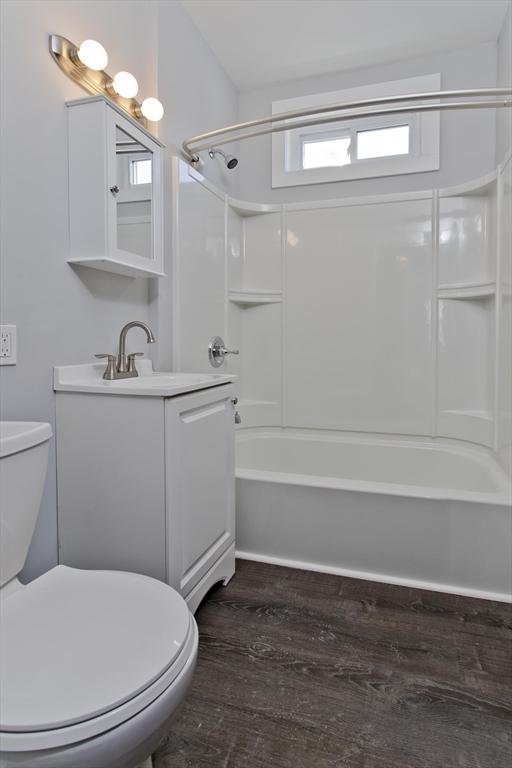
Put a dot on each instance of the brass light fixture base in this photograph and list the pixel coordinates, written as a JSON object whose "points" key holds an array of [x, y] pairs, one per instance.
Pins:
{"points": [[64, 52]]}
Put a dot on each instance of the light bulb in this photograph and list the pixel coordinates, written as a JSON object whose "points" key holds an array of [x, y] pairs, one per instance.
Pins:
{"points": [[93, 55], [125, 85], [152, 109]]}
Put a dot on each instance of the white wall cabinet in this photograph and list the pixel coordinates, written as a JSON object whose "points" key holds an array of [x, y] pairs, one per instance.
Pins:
{"points": [[115, 191], [146, 484]]}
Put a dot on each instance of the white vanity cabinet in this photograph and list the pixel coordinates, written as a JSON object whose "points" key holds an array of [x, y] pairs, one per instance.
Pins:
{"points": [[115, 191], [146, 484]]}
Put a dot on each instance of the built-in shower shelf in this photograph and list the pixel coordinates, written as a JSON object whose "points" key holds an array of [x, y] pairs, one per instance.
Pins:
{"points": [[466, 290], [481, 187], [245, 209], [254, 298]]}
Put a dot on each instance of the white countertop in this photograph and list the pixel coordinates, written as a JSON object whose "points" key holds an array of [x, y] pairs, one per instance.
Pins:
{"points": [[88, 378]]}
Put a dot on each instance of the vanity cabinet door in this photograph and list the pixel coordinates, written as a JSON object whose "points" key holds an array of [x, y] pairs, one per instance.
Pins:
{"points": [[200, 478]]}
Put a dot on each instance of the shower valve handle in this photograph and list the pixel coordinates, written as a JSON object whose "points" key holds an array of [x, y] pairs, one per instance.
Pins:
{"points": [[217, 351]]}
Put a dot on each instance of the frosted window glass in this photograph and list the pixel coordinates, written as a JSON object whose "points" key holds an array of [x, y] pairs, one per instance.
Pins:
{"points": [[141, 171], [328, 152], [383, 142]]}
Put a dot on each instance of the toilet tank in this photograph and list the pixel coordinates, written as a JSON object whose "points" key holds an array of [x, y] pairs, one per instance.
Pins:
{"points": [[23, 462]]}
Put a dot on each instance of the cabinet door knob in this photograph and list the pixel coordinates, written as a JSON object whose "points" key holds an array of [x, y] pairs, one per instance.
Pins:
{"points": [[114, 190], [234, 400]]}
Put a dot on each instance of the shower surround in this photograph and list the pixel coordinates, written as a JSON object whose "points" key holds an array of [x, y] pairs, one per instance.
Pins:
{"points": [[378, 321]]}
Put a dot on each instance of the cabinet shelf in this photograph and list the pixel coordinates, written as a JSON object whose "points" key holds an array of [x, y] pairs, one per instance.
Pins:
{"points": [[254, 298], [466, 290], [116, 266]]}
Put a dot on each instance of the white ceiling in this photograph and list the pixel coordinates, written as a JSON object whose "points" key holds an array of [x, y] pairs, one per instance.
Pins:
{"points": [[262, 41]]}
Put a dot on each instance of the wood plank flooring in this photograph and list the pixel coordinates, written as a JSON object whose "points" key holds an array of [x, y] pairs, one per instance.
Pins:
{"points": [[307, 670]]}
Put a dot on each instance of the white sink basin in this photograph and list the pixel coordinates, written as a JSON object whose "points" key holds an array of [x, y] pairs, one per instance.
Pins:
{"points": [[88, 378]]}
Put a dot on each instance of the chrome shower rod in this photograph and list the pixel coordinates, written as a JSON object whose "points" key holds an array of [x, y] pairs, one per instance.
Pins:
{"points": [[274, 123]]}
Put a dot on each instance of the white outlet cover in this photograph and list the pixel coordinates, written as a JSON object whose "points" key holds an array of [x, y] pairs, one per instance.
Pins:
{"points": [[8, 343]]}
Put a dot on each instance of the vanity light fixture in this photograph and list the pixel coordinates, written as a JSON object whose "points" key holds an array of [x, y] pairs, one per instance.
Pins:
{"points": [[125, 85], [152, 109], [85, 65], [93, 55]]}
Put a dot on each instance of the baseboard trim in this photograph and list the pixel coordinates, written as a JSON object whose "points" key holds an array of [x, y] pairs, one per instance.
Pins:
{"points": [[501, 597]]}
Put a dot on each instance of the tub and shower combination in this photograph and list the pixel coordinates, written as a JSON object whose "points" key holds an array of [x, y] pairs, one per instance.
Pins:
{"points": [[421, 513], [374, 376]]}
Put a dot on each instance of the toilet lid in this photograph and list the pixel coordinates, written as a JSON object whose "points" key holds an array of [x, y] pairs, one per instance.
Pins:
{"points": [[75, 644]]}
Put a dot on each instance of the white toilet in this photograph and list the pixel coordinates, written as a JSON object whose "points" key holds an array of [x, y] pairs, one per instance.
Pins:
{"points": [[92, 663]]}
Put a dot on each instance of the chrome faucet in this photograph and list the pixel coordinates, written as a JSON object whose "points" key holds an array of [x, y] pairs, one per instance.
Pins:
{"points": [[123, 366]]}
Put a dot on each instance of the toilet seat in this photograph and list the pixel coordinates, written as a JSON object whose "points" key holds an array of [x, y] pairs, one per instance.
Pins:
{"points": [[83, 651]]}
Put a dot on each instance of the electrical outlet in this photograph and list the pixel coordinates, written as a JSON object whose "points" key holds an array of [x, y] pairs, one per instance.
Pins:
{"points": [[7, 345]]}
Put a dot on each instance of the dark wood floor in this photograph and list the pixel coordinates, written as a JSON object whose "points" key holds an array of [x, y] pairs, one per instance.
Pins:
{"points": [[307, 670]]}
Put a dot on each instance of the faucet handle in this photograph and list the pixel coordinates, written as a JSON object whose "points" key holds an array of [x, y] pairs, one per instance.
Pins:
{"points": [[131, 362], [110, 370]]}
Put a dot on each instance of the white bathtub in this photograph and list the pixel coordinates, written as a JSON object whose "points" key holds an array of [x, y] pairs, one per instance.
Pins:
{"points": [[428, 514]]}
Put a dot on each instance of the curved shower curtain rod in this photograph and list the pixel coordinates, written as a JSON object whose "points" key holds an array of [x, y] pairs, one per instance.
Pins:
{"points": [[274, 123]]}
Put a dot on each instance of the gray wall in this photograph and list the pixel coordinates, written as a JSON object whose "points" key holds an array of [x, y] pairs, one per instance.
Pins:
{"points": [[504, 77], [64, 314], [467, 138]]}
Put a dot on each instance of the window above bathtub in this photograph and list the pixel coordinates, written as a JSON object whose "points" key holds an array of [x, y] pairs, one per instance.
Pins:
{"points": [[361, 148]]}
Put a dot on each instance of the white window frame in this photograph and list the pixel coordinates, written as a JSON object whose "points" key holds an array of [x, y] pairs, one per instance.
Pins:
{"points": [[299, 138], [424, 136]]}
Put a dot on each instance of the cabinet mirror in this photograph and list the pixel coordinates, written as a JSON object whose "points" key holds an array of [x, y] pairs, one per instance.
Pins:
{"points": [[133, 193]]}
